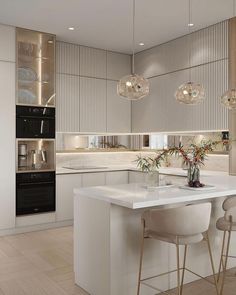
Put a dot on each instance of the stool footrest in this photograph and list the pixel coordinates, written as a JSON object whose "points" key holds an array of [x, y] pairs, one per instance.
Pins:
{"points": [[143, 281]]}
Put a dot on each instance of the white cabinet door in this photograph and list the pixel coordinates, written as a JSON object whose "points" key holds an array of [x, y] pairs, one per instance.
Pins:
{"points": [[67, 58], [92, 62], [118, 110], [67, 103], [7, 146], [65, 184], [93, 179], [117, 177], [151, 114], [118, 65], [8, 41], [137, 177], [92, 105]]}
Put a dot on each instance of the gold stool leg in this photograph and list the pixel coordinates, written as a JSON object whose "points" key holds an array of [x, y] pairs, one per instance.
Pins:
{"points": [[184, 263], [141, 258], [221, 257], [225, 264], [212, 263], [178, 267]]}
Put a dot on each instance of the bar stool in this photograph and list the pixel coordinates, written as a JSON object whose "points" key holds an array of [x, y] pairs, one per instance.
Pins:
{"points": [[227, 224], [179, 226]]}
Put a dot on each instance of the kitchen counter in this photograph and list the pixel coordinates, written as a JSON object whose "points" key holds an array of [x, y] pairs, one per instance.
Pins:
{"points": [[107, 231], [164, 170], [136, 196]]}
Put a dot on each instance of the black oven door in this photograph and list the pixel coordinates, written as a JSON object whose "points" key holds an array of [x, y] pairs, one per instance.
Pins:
{"points": [[35, 127], [35, 197]]}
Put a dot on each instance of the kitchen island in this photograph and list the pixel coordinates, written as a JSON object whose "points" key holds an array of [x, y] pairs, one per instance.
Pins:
{"points": [[107, 232]]}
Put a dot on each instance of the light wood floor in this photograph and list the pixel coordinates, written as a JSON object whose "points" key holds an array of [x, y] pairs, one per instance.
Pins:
{"points": [[38, 263], [41, 263]]}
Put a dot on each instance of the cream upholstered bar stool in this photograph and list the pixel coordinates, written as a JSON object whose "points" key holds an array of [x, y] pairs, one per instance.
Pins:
{"points": [[227, 224], [179, 226]]}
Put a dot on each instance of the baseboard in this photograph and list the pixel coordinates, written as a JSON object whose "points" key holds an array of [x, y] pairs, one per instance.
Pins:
{"points": [[26, 229]]}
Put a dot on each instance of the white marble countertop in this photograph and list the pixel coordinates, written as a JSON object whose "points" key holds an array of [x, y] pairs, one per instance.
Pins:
{"points": [[136, 196], [164, 170]]}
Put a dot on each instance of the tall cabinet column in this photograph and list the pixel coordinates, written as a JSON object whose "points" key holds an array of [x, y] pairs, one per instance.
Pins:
{"points": [[232, 84], [7, 127]]}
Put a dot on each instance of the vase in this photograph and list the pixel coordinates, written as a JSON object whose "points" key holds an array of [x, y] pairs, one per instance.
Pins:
{"points": [[193, 175], [152, 178]]}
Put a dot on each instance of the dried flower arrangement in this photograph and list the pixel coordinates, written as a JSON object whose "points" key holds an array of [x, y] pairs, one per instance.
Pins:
{"points": [[194, 156]]}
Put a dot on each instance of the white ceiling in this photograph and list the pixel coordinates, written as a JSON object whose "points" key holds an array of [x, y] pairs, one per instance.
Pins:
{"points": [[107, 23]]}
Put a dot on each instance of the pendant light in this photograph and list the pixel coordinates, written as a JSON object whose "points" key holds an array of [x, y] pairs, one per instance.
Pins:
{"points": [[190, 93], [228, 98], [133, 87]]}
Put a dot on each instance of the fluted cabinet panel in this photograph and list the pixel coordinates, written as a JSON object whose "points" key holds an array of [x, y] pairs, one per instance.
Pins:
{"points": [[204, 46], [92, 105], [161, 112], [209, 44], [93, 62], [118, 110], [67, 58], [118, 65], [151, 114], [211, 115], [68, 104]]}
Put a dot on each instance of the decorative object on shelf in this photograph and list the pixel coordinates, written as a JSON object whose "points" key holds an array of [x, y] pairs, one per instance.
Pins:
{"points": [[228, 99], [26, 96], [133, 87], [190, 93], [193, 157], [26, 75]]}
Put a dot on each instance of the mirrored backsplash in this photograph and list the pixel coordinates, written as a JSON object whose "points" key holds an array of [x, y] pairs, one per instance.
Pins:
{"points": [[67, 142]]}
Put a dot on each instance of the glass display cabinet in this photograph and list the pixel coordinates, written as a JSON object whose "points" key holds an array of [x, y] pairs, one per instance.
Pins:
{"points": [[35, 68]]}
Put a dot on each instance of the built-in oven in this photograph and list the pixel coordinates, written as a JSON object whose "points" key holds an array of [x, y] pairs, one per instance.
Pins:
{"points": [[35, 122], [35, 193]]}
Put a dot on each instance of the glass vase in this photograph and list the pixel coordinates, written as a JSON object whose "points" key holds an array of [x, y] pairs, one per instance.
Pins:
{"points": [[152, 179], [193, 175]]}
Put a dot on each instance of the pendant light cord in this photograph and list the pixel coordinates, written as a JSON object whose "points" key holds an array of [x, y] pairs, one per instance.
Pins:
{"points": [[189, 38], [133, 37], [233, 8]]}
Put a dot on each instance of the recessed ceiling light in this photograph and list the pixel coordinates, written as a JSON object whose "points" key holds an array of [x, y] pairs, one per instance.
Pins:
{"points": [[71, 28], [141, 44], [190, 25]]}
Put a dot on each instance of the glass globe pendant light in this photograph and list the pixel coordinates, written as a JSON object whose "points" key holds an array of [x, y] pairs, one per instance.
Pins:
{"points": [[190, 93], [133, 87], [228, 99]]}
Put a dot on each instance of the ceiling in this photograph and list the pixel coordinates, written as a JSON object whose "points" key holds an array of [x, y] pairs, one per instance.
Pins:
{"points": [[107, 23]]}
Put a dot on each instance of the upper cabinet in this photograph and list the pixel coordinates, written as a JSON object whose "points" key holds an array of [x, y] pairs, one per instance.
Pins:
{"points": [[67, 113], [118, 110], [167, 67], [8, 39], [35, 68], [118, 65], [92, 105], [92, 62], [67, 58], [86, 90]]}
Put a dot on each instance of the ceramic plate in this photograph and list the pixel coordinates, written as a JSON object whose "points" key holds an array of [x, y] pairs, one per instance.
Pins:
{"points": [[26, 96], [26, 75], [200, 189], [159, 187]]}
